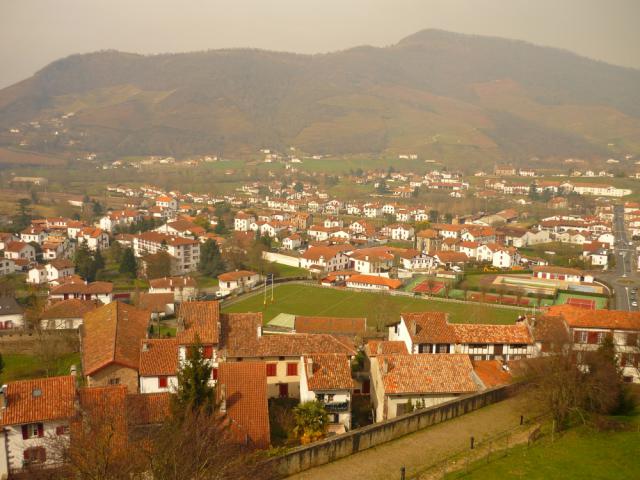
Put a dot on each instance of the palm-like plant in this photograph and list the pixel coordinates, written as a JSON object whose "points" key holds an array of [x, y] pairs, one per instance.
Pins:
{"points": [[311, 421]]}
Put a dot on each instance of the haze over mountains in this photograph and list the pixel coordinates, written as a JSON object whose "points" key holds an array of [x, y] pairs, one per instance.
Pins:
{"points": [[441, 95]]}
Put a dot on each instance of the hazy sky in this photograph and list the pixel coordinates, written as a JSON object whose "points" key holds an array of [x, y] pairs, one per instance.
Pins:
{"points": [[36, 32]]}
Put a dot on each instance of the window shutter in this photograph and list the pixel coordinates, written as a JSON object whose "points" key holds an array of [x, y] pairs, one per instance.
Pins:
{"points": [[576, 336], [43, 454], [593, 337], [25, 454], [40, 430], [25, 432], [214, 373]]}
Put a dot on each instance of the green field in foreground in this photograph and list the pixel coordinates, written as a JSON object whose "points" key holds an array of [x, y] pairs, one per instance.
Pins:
{"points": [[578, 454], [310, 300]]}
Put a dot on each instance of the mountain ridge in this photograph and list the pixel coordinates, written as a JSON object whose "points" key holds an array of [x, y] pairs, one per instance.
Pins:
{"points": [[439, 94]]}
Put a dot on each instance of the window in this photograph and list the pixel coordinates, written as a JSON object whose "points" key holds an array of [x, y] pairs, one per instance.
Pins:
{"points": [[35, 455], [162, 382], [114, 381], [62, 430], [208, 352], [292, 369], [214, 374], [581, 337], [271, 369], [320, 397], [32, 430], [632, 339], [330, 397]]}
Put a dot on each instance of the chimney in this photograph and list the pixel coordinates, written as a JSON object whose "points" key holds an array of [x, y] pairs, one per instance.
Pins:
{"points": [[223, 398], [414, 328], [73, 371], [145, 346], [259, 328], [309, 367], [379, 349], [3, 397], [385, 366]]}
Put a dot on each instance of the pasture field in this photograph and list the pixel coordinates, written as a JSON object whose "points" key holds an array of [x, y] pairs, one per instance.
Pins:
{"points": [[311, 300]]}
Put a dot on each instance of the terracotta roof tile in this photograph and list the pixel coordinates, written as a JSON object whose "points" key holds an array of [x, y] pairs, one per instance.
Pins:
{"points": [[112, 334], [329, 371], [200, 319], [158, 356], [148, 408], [245, 392], [373, 348], [491, 373], [172, 282], [72, 308], [576, 316], [39, 400], [426, 373]]}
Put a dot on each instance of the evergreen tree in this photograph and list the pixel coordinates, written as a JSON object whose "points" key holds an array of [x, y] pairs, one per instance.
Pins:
{"points": [[211, 262], [98, 260], [221, 227], [193, 389], [84, 262], [128, 263]]}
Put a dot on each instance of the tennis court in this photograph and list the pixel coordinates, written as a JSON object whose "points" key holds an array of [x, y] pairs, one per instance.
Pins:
{"points": [[582, 302], [429, 287]]}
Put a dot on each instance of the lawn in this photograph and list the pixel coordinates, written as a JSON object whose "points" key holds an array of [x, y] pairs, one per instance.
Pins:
{"points": [[578, 454], [284, 271], [22, 366], [311, 300]]}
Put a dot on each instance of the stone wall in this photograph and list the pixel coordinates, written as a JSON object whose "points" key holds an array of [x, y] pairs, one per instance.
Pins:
{"points": [[333, 448]]}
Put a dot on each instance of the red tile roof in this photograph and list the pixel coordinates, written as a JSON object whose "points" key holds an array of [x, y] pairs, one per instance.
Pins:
{"points": [[491, 373], [330, 371], [172, 282], [240, 338], [158, 356], [96, 288], [245, 392], [148, 408], [375, 280], [72, 308], [577, 317], [373, 348], [111, 335], [426, 373], [201, 319], [39, 400], [235, 275]]}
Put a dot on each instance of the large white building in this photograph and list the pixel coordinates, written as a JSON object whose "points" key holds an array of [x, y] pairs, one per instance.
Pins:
{"points": [[184, 251]]}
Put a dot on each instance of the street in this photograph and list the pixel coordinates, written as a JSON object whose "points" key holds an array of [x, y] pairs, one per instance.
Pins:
{"points": [[624, 277]]}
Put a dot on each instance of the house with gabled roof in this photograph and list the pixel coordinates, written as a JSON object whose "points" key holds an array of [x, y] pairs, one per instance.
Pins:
{"points": [[326, 377], [110, 344], [400, 383], [431, 332], [158, 365], [32, 413]]}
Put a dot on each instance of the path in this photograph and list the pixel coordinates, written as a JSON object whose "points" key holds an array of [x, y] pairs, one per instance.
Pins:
{"points": [[420, 450]]}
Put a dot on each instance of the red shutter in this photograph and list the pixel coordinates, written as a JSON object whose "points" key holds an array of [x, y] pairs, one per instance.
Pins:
{"points": [[162, 382], [25, 432], [593, 337], [42, 454], [576, 336], [40, 430], [208, 352], [292, 369], [214, 373], [60, 430], [271, 369], [25, 454]]}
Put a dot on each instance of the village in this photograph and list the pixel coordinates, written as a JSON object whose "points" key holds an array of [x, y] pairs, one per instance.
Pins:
{"points": [[137, 290]]}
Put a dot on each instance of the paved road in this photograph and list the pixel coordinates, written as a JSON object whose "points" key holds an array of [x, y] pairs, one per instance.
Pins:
{"points": [[421, 450], [624, 278]]}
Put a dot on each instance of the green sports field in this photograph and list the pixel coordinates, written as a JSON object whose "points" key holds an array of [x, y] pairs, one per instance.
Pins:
{"points": [[311, 300]]}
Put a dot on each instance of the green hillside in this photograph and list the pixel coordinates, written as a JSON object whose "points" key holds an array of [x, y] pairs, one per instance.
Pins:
{"points": [[441, 95]]}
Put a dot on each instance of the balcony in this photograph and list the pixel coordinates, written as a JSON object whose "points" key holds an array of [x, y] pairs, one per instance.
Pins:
{"points": [[336, 407]]}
